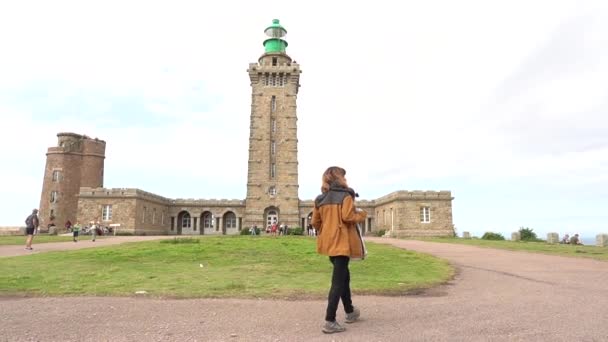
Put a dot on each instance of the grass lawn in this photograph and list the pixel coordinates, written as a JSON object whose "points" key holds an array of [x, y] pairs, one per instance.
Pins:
{"points": [[239, 266], [594, 252], [20, 239]]}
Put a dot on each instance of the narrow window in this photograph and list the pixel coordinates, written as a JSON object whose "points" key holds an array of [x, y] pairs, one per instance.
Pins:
{"points": [[154, 216], [162, 218], [54, 196], [230, 220], [143, 216], [106, 212], [273, 148], [274, 125], [274, 61], [266, 80], [272, 191], [56, 176], [272, 170], [425, 214], [207, 220], [273, 104], [186, 221]]}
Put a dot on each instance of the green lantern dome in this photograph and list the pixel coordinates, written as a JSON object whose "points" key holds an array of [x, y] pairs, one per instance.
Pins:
{"points": [[275, 32]]}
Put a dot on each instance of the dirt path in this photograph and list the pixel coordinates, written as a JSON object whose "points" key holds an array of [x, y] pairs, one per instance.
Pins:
{"points": [[83, 242], [497, 296]]}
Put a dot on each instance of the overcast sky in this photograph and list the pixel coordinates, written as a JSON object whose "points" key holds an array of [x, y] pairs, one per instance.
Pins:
{"points": [[505, 103]]}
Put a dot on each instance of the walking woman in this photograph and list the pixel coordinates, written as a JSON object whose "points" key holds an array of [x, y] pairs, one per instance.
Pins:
{"points": [[335, 217]]}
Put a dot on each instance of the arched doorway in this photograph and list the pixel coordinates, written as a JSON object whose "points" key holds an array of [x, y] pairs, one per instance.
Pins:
{"points": [[272, 216], [184, 221], [206, 222], [229, 221]]}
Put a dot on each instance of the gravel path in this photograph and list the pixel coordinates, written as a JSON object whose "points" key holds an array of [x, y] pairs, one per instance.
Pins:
{"points": [[497, 295]]}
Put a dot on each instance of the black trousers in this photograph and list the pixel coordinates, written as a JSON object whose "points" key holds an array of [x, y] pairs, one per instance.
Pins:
{"points": [[340, 287]]}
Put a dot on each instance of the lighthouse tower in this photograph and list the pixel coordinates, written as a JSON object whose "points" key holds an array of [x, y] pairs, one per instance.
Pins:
{"points": [[272, 180]]}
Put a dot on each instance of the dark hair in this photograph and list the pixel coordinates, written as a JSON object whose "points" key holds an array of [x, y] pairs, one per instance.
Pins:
{"points": [[333, 174]]}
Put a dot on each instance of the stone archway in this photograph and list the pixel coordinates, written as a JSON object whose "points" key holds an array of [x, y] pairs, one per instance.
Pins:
{"points": [[206, 222], [184, 220], [229, 222]]}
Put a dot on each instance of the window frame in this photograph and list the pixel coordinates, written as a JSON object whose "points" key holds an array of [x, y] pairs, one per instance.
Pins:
{"points": [[106, 212], [56, 176], [54, 196], [425, 214], [186, 221]]}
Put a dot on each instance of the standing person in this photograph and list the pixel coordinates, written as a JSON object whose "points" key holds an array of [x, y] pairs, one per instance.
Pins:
{"points": [[75, 230], [335, 216], [31, 224], [68, 226], [273, 229], [93, 231]]}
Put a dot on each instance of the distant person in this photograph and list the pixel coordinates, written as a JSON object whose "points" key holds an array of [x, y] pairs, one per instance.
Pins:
{"points": [[94, 231], [335, 216], [252, 230], [68, 226], [273, 229], [566, 239], [31, 224], [75, 231]]}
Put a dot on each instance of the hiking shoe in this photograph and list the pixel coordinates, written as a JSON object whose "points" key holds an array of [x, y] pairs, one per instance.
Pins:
{"points": [[353, 316], [332, 327]]}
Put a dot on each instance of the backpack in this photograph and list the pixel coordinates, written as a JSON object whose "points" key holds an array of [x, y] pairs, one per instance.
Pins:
{"points": [[29, 221]]}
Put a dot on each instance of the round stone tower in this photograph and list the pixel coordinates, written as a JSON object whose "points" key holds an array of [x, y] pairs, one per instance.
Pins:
{"points": [[77, 161], [272, 180]]}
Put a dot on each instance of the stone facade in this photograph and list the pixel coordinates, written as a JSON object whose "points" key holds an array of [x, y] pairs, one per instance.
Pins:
{"points": [[415, 213], [272, 178]]}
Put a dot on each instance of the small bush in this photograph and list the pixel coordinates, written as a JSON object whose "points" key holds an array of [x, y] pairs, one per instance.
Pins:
{"points": [[528, 234], [295, 231], [246, 231], [380, 232], [492, 236], [180, 240]]}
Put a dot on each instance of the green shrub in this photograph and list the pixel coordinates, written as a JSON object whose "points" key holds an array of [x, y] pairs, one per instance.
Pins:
{"points": [[180, 240], [295, 231], [492, 236], [528, 234], [246, 231], [380, 232]]}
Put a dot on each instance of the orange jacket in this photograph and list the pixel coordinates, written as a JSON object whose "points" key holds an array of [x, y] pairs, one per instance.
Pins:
{"points": [[335, 218]]}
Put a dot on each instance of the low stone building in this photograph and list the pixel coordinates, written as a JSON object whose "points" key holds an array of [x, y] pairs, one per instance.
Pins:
{"points": [[73, 182]]}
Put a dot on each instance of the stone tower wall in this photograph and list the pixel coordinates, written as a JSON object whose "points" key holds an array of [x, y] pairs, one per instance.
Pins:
{"points": [[273, 140], [76, 161]]}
